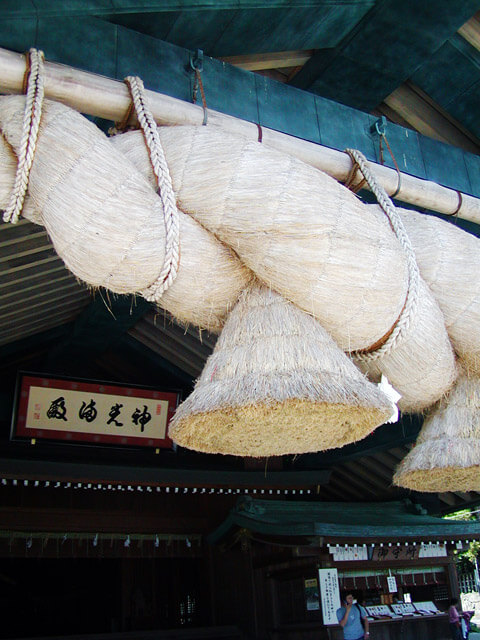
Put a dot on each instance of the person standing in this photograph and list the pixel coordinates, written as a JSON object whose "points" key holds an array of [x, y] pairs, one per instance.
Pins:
{"points": [[454, 620], [353, 618]]}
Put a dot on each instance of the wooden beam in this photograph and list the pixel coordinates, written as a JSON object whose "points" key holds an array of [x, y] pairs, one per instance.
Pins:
{"points": [[348, 490], [370, 476], [108, 98], [342, 72], [378, 468], [448, 498], [42, 323], [383, 438], [96, 329], [23, 468], [364, 486], [169, 348], [416, 108], [277, 60]]}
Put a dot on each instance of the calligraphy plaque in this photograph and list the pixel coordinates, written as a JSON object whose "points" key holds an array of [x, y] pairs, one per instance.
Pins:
{"points": [[407, 552], [81, 411]]}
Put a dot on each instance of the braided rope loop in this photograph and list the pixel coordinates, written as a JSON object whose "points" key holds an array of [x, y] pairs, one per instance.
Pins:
{"points": [[28, 141], [165, 191], [411, 302]]}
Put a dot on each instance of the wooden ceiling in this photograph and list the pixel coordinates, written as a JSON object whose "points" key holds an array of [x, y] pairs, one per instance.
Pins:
{"points": [[418, 64]]}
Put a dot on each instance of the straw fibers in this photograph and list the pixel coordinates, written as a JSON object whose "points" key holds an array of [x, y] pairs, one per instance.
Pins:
{"points": [[311, 240], [449, 261], [106, 222], [422, 365], [301, 232], [276, 383], [446, 456]]}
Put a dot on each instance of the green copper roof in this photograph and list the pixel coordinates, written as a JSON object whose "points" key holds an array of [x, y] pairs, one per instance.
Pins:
{"points": [[384, 520]]}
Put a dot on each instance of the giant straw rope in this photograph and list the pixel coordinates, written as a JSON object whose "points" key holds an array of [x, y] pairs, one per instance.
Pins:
{"points": [[288, 223]]}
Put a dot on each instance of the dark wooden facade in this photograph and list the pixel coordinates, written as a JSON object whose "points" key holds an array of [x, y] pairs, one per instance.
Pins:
{"points": [[140, 560]]}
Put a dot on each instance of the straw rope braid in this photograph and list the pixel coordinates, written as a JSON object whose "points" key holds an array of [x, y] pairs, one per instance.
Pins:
{"points": [[411, 302], [165, 191], [28, 141]]}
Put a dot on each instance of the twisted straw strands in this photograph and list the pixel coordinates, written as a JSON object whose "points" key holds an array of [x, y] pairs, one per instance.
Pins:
{"points": [[422, 365], [446, 456], [300, 231], [342, 263], [405, 357], [313, 241], [449, 261], [106, 222], [276, 383]]}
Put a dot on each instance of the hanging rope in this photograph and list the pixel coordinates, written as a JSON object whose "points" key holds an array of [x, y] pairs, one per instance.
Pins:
{"points": [[165, 191], [390, 340], [383, 137], [31, 122], [196, 63]]}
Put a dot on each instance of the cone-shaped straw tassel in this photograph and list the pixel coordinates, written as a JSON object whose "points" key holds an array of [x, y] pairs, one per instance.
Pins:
{"points": [[446, 456], [275, 384]]}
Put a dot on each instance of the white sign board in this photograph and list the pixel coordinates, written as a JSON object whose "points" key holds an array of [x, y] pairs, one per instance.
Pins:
{"points": [[426, 607], [392, 584], [379, 611], [329, 594], [345, 554], [432, 550], [404, 608]]}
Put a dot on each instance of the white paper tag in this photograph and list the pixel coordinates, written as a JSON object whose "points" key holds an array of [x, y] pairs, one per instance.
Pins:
{"points": [[393, 395], [392, 584]]}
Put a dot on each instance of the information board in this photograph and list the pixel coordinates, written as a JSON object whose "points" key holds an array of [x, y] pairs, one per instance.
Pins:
{"points": [[404, 608], [379, 611], [329, 594], [311, 594], [392, 584], [426, 607]]}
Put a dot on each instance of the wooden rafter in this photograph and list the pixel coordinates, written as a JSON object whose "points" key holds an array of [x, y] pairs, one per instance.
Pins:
{"points": [[414, 107], [264, 61], [367, 476], [471, 31]]}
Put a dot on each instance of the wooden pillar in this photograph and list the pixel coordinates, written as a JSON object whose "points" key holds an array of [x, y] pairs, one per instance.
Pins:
{"points": [[452, 578]]}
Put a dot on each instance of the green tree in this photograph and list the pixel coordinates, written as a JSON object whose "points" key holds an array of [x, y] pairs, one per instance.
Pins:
{"points": [[467, 560]]}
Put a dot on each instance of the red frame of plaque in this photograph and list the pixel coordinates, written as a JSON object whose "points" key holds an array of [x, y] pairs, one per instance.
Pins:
{"points": [[166, 401]]}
